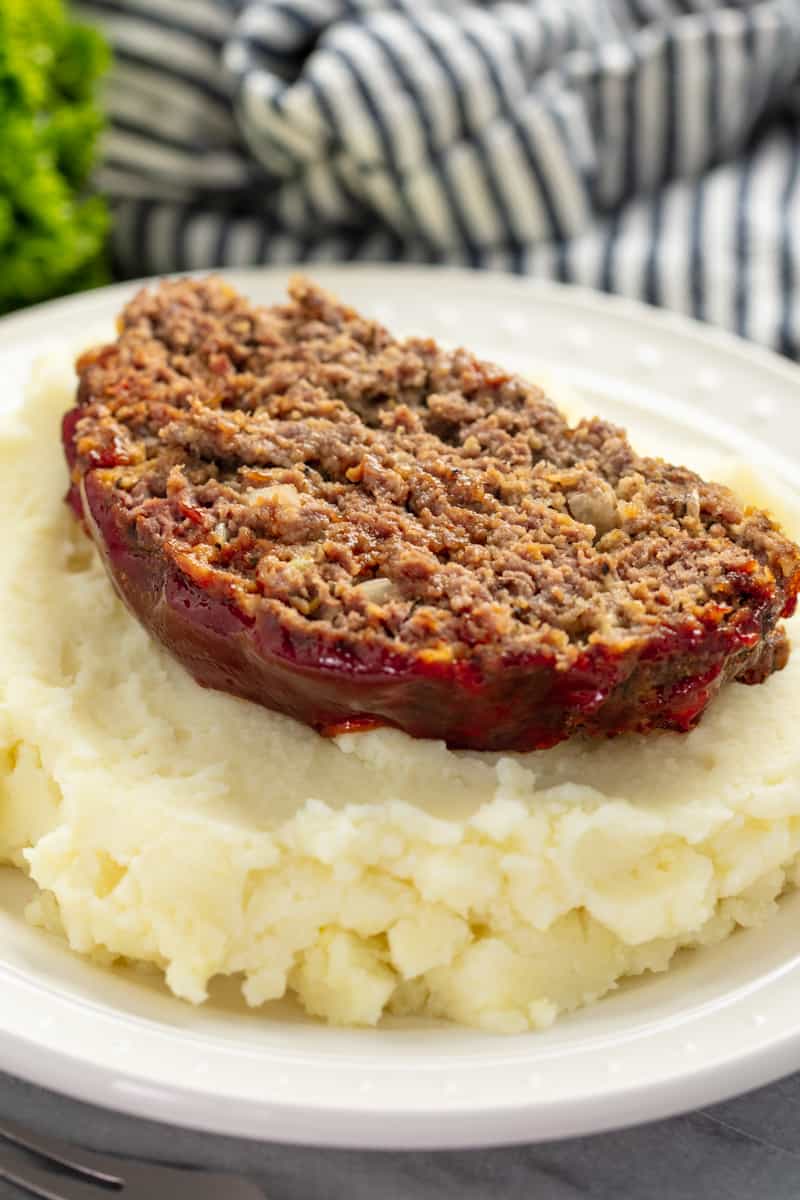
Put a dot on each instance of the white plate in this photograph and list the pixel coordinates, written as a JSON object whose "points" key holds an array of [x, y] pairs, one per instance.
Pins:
{"points": [[722, 1020]]}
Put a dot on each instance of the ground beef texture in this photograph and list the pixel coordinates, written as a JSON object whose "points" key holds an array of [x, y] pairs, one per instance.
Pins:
{"points": [[358, 530]]}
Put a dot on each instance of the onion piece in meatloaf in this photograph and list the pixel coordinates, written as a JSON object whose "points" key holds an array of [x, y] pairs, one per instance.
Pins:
{"points": [[358, 530]]}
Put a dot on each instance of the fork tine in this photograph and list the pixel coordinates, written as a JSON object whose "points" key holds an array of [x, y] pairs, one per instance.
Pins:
{"points": [[85, 1162], [18, 1168]]}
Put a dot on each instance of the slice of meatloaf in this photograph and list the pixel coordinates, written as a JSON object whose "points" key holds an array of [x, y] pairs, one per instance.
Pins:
{"points": [[357, 530]]}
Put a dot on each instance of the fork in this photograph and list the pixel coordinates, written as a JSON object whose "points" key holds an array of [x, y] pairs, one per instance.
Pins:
{"points": [[102, 1177]]}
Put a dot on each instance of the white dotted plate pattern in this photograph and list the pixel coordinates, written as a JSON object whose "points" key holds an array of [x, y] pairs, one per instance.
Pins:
{"points": [[720, 1021]]}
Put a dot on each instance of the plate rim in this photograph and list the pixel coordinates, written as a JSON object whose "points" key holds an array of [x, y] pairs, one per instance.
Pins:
{"points": [[639, 310]]}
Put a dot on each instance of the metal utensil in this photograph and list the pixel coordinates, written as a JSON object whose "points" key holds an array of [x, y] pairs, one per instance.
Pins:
{"points": [[85, 1175]]}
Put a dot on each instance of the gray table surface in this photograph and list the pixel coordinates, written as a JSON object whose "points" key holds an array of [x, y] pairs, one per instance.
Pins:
{"points": [[745, 1149]]}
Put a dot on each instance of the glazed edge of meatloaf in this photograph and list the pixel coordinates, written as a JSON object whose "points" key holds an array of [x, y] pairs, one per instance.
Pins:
{"points": [[356, 530]]}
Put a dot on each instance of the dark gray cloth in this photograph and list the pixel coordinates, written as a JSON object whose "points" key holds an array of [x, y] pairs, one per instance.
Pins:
{"points": [[746, 1149]]}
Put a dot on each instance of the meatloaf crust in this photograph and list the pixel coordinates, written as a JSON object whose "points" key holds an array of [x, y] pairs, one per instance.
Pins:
{"points": [[359, 530]]}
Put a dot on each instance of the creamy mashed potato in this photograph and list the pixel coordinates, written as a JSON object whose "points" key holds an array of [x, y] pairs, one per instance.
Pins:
{"points": [[371, 874]]}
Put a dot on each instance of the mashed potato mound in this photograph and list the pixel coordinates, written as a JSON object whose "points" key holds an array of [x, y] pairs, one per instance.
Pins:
{"points": [[371, 874]]}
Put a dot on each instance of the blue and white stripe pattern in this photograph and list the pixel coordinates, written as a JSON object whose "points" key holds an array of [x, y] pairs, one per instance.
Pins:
{"points": [[647, 147]]}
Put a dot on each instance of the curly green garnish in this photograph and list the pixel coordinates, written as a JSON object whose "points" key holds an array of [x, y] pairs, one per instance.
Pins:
{"points": [[52, 231]]}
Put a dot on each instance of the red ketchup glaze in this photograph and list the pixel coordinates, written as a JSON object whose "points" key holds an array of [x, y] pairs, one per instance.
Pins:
{"points": [[68, 427], [109, 456], [523, 702]]}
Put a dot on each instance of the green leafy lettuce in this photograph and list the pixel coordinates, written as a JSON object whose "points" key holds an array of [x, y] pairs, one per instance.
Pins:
{"points": [[52, 233]]}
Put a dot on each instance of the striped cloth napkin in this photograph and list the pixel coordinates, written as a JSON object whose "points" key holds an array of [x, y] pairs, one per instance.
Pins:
{"points": [[648, 147]]}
